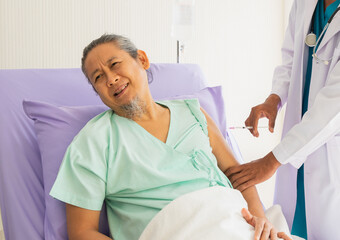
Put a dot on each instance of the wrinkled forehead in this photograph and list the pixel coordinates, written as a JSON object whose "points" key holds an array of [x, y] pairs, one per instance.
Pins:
{"points": [[103, 54]]}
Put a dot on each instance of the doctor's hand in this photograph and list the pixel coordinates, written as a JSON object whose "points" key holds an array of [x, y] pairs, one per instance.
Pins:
{"points": [[263, 228], [249, 174], [267, 109]]}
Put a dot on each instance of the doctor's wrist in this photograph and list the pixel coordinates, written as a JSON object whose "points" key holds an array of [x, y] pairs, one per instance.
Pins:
{"points": [[271, 159], [273, 99]]}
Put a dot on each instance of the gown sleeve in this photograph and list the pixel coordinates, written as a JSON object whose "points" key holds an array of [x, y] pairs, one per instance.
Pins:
{"points": [[81, 180]]}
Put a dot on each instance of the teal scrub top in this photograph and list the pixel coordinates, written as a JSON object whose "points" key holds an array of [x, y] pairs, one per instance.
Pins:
{"points": [[113, 159], [321, 17]]}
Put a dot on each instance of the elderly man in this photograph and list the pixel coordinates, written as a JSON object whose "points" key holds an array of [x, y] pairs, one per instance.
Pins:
{"points": [[141, 154]]}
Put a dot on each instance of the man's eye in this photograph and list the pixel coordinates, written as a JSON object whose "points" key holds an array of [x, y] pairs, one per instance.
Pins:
{"points": [[95, 80], [114, 64]]}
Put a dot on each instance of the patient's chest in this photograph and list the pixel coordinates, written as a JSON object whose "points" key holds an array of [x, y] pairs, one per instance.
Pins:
{"points": [[145, 174], [158, 128]]}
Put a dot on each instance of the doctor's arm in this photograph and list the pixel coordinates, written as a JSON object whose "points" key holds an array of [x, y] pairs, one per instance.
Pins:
{"points": [[225, 159], [318, 125], [280, 82], [82, 224], [257, 171]]}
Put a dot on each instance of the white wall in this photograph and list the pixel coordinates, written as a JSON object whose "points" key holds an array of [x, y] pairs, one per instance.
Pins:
{"points": [[52, 34], [237, 43]]}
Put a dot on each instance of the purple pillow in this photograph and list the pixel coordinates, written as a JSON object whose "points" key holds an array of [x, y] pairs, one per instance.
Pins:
{"points": [[56, 127]]}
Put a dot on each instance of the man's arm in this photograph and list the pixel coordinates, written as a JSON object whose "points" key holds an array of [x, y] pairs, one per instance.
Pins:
{"points": [[82, 224], [225, 160]]}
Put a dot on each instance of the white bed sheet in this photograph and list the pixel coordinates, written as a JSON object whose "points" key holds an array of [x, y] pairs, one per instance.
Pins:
{"points": [[211, 213]]}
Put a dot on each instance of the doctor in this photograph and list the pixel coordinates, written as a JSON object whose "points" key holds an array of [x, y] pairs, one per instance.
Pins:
{"points": [[308, 157]]}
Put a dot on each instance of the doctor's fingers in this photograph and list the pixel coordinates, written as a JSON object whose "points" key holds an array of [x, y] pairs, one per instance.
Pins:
{"points": [[241, 170], [252, 121], [271, 117], [251, 176], [233, 170], [244, 184], [239, 177], [242, 180], [260, 111], [256, 113]]}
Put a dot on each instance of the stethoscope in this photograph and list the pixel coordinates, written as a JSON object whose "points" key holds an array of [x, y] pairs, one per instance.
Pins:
{"points": [[311, 40]]}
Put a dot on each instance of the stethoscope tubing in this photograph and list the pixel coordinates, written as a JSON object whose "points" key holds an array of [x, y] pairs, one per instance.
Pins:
{"points": [[326, 62]]}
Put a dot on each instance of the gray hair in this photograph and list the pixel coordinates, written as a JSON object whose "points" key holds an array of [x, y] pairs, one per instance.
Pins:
{"points": [[121, 42]]}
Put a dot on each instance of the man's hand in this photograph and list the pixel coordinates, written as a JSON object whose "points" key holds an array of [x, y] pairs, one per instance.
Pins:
{"points": [[249, 174], [263, 228], [267, 109]]}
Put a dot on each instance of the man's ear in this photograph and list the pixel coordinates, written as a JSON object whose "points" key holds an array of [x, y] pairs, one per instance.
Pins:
{"points": [[143, 59]]}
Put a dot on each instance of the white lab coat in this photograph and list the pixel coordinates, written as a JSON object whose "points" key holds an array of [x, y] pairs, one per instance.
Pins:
{"points": [[314, 140]]}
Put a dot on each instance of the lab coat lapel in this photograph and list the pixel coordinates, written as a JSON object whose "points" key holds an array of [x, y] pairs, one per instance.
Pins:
{"points": [[310, 6], [333, 29], [309, 10]]}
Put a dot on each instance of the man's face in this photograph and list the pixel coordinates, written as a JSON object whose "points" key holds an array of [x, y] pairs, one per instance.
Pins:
{"points": [[116, 76]]}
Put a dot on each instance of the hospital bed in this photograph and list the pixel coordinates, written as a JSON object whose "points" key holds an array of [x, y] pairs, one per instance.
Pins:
{"points": [[41, 111]]}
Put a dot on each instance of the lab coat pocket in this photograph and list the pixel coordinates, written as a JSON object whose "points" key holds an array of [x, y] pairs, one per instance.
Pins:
{"points": [[333, 152]]}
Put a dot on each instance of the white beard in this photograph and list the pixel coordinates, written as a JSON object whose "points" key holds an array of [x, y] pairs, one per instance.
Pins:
{"points": [[135, 109]]}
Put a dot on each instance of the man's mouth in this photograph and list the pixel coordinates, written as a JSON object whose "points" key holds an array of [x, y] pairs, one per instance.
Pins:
{"points": [[120, 90]]}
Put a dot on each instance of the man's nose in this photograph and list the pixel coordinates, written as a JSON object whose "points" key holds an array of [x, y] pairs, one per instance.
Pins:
{"points": [[112, 79]]}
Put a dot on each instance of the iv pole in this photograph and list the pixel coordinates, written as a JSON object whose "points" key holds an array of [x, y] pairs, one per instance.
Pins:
{"points": [[182, 22], [177, 51], [180, 50]]}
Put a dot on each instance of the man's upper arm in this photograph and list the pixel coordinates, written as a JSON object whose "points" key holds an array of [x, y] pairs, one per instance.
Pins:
{"points": [[220, 148], [80, 221]]}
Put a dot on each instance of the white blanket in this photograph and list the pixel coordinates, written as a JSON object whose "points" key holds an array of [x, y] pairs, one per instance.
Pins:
{"points": [[211, 213]]}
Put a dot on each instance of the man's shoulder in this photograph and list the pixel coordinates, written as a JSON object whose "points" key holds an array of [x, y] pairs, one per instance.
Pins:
{"points": [[179, 102], [99, 126]]}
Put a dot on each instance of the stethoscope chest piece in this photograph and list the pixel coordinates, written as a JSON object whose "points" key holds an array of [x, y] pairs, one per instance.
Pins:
{"points": [[310, 40]]}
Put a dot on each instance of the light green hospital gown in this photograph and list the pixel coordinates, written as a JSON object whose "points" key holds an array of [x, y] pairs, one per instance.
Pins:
{"points": [[113, 159]]}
